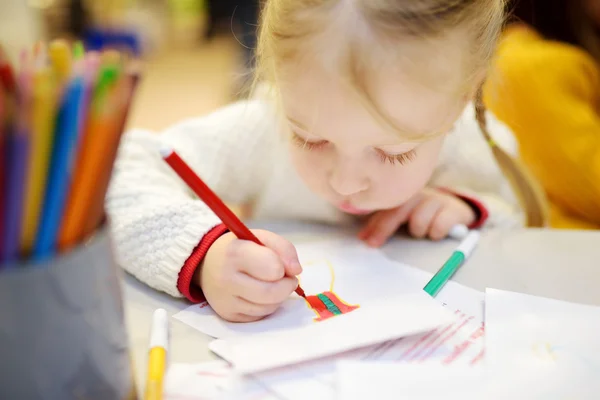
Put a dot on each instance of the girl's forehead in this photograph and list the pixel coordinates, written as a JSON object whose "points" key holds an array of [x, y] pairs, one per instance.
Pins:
{"points": [[321, 102]]}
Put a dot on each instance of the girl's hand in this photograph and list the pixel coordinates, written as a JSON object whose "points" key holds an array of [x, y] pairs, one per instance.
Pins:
{"points": [[245, 282], [431, 213]]}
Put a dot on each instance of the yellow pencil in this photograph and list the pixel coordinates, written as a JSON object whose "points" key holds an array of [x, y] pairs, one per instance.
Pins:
{"points": [[157, 357], [61, 58], [43, 115]]}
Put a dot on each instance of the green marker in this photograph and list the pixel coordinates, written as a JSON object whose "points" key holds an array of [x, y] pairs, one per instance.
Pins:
{"points": [[455, 261]]}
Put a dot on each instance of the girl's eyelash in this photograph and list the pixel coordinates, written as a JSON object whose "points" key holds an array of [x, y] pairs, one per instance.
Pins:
{"points": [[305, 144], [402, 159]]}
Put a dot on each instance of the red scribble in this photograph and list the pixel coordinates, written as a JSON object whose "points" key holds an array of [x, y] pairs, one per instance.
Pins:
{"points": [[478, 358], [445, 339], [416, 345], [202, 305], [321, 310], [430, 343]]}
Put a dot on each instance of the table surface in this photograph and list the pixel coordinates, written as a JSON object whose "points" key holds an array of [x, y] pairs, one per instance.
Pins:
{"points": [[558, 264]]}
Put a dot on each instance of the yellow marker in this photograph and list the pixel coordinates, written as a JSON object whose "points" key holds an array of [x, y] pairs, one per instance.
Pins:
{"points": [[43, 119], [61, 57], [157, 357]]}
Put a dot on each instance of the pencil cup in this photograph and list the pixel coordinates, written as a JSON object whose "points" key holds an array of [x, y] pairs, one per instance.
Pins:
{"points": [[62, 328]]}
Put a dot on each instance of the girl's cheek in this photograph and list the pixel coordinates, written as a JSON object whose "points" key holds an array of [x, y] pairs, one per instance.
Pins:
{"points": [[307, 163]]}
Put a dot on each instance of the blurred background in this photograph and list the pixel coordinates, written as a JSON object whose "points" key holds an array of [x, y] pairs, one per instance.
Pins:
{"points": [[196, 53]]}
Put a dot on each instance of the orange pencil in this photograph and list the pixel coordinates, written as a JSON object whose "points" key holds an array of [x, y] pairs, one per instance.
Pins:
{"points": [[95, 148], [96, 211]]}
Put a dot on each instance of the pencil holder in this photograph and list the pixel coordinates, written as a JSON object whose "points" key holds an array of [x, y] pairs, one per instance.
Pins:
{"points": [[62, 328]]}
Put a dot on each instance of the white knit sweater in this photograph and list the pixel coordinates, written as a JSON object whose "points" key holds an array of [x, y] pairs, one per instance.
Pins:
{"points": [[241, 153]]}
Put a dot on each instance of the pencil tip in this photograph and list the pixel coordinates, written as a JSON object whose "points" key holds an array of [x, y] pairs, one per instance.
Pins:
{"points": [[300, 292]]}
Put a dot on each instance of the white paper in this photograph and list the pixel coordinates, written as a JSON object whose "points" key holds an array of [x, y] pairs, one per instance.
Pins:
{"points": [[316, 379], [458, 297], [214, 380], [357, 274], [379, 322], [547, 349], [203, 381], [391, 381]]}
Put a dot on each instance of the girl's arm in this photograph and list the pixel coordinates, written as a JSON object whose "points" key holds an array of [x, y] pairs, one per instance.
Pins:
{"points": [[157, 222], [468, 169]]}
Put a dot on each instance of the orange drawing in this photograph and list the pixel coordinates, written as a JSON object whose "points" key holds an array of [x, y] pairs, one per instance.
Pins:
{"points": [[328, 304]]}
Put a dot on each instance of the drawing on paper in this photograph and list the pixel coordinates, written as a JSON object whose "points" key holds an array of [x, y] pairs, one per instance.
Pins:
{"points": [[328, 304], [543, 351], [565, 354]]}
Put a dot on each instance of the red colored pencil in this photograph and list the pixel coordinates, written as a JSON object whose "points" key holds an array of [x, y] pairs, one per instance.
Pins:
{"points": [[212, 200], [7, 76]]}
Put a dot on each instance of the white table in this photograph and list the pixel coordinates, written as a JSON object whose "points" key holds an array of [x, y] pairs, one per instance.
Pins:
{"points": [[558, 264]]}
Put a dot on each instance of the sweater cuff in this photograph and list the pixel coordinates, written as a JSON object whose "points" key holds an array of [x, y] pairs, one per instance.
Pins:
{"points": [[184, 283], [481, 212]]}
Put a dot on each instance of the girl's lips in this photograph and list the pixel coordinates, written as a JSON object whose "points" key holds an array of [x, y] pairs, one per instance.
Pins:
{"points": [[350, 209]]}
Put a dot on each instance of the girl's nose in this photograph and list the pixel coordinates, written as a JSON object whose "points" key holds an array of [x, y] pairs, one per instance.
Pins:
{"points": [[347, 178]]}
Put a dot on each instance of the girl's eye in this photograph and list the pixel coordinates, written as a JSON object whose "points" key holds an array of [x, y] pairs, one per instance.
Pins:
{"points": [[402, 159], [305, 144]]}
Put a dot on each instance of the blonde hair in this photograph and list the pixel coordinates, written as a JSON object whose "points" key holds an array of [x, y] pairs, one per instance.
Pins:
{"points": [[289, 27]]}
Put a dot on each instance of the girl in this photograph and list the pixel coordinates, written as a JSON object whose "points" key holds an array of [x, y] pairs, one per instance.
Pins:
{"points": [[546, 86], [369, 118]]}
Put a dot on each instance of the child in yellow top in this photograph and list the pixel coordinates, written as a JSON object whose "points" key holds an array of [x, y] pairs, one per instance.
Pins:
{"points": [[548, 91]]}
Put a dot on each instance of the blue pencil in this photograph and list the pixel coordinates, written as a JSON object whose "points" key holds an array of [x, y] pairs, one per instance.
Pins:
{"points": [[59, 179], [17, 149]]}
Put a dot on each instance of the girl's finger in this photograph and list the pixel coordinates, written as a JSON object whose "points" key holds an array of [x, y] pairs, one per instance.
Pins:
{"points": [[239, 317], [388, 224], [442, 224], [370, 225], [260, 292], [422, 217], [248, 308], [259, 262]]}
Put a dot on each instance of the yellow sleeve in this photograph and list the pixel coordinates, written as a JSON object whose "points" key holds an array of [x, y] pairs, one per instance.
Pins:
{"points": [[549, 94]]}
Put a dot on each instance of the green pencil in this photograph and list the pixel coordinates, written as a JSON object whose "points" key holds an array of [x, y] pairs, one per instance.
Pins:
{"points": [[455, 261]]}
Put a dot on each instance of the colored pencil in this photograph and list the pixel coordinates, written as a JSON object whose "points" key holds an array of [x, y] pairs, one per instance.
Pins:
{"points": [[217, 206], [64, 147], [61, 59], [96, 210], [43, 119], [7, 76], [17, 156], [456, 260], [95, 148], [61, 120]]}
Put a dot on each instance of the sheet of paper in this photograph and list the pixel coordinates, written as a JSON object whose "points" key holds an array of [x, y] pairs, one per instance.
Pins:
{"points": [[378, 322], [203, 381], [392, 381], [548, 349], [469, 301], [214, 380], [349, 274], [316, 379]]}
